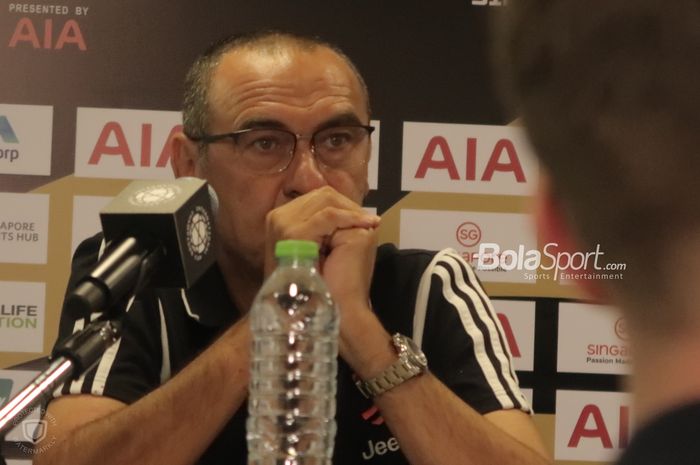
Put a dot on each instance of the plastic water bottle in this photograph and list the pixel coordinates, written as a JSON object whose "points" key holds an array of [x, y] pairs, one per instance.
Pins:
{"points": [[291, 403]]}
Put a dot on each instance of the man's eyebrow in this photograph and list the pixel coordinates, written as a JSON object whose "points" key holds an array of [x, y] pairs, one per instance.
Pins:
{"points": [[264, 123], [344, 119]]}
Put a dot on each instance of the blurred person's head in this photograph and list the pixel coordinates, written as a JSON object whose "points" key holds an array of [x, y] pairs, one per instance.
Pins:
{"points": [[609, 92]]}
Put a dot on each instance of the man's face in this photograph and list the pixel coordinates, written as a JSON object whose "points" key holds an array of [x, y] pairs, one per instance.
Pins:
{"points": [[297, 90]]}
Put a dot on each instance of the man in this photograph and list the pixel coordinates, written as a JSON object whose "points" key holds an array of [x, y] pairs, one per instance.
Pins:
{"points": [[277, 124], [609, 94]]}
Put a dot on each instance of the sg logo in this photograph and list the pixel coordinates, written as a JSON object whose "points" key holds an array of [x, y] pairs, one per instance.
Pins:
{"points": [[468, 234]]}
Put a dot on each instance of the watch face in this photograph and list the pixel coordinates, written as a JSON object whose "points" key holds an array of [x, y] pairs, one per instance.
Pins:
{"points": [[414, 353]]}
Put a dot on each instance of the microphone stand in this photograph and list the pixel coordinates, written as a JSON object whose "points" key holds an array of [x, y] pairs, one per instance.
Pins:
{"points": [[124, 275], [69, 361]]}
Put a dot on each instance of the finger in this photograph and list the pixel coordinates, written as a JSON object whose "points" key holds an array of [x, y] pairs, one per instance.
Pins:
{"points": [[357, 237], [331, 219], [348, 268], [324, 197], [321, 224]]}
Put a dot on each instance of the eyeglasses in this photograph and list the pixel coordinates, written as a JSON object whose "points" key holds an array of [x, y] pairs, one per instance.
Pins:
{"points": [[271, 150]]}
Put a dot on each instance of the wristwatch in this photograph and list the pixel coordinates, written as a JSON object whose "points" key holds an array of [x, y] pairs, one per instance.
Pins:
{"points": [[412, 362]]}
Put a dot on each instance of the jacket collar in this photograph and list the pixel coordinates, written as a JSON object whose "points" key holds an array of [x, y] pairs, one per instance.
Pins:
{"points": [[208, 301]]}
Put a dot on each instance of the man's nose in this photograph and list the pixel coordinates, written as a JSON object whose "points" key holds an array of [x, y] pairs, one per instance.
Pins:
{"points": [[304, 173]]}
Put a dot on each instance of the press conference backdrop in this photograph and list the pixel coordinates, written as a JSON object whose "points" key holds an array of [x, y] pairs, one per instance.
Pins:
{"points": [[90, 93]]}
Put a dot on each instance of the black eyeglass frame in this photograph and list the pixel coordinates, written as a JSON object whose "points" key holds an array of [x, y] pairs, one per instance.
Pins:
{"points": [[205, 139], [211, 138]]}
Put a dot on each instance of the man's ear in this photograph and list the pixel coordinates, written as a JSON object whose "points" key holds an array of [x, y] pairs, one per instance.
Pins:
{"points": [[184, 156], [554, 226]]}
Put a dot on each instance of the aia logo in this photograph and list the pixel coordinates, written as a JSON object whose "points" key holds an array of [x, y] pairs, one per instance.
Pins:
{"points": [[42, 35], [468, 234], [373, 416], [591, 424], [125, 143], [113, 141], [438, 156], [459, 158]]}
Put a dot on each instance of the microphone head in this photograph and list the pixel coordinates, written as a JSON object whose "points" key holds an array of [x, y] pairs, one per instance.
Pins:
{"points": [[176, 215]]}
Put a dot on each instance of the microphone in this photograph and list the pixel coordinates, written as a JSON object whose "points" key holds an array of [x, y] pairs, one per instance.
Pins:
{"points": [[157, 232]]}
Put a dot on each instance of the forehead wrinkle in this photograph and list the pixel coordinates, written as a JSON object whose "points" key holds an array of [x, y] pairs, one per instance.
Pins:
{"points": [[263, 77], [256, 94]]}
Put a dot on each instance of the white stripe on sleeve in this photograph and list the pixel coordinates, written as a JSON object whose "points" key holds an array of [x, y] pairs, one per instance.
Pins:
{"points": [[165, 347], [493, 318], [422, 296], [488, 366], [105, 364]]}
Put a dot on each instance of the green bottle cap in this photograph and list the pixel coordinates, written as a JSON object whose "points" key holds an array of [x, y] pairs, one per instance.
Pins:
{"points": [[296, 249]]}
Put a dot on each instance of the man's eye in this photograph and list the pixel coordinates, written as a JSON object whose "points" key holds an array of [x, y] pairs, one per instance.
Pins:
{"points": [[337, 140], [262, 142], [265, 144]]}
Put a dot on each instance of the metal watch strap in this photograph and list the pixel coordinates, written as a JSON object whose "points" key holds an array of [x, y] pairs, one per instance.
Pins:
{"points": [[401, 370]]}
